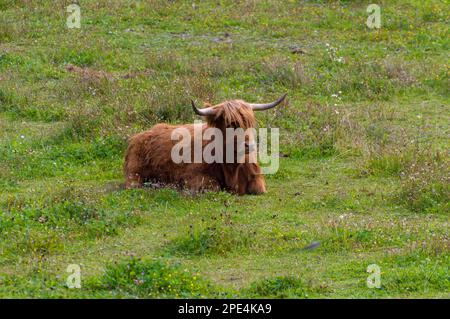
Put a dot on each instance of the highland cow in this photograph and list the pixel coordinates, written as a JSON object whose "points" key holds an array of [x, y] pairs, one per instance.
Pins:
{"points": [[148, 156]]}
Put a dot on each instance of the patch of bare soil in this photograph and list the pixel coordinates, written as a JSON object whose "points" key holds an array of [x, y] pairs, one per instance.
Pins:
{"points": [[88, 73], [91, 74]]}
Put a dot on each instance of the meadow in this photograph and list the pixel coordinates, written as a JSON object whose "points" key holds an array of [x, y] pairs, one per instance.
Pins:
{"points": [[364, 166]]}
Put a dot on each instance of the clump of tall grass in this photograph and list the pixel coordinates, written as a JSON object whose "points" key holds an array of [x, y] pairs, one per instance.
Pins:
{"points": [[425, 184], [389, 162], [332, 73], [312, 130], [217, 236], [281, 287], [424, 175], [11, 30], [154, 279], [67, 211], [18, 104], [290, 74]]}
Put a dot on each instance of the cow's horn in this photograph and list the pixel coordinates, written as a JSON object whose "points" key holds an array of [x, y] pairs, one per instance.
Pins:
{"points": [[262, 107], [203, 112]]}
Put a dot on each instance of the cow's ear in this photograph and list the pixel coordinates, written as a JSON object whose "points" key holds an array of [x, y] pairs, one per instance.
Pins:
{"points": [[216, 119], [218, 113]]}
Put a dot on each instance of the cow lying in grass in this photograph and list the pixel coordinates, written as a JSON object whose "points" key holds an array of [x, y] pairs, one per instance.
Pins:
{"points": [[149, 154]]}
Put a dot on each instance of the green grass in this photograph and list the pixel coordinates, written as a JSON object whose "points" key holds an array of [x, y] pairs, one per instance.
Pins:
{"points": [[364, 169]]}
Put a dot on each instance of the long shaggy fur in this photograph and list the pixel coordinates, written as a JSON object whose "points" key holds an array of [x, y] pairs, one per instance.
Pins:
{"points": [[148, 157]]}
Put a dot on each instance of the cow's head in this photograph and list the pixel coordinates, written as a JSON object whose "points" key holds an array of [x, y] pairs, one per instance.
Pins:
{"points": [[236, 114]]}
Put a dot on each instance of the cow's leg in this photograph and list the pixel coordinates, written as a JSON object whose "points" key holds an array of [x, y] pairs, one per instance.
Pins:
{"points": [[201, 183], [132, 170], [133, 180]]}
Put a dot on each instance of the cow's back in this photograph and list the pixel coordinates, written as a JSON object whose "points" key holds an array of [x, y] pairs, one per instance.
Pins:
{"points": [[148, 156]]}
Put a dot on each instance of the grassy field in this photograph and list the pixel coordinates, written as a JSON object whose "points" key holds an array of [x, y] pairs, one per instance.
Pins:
{"points": [[364, 167]]}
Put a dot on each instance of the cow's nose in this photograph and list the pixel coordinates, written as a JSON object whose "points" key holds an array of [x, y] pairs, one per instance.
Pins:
{"points": [[250, 147]]}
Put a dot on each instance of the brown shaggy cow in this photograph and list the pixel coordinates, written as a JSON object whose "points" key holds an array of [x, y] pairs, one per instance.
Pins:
{"points": [[148, 157]]}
